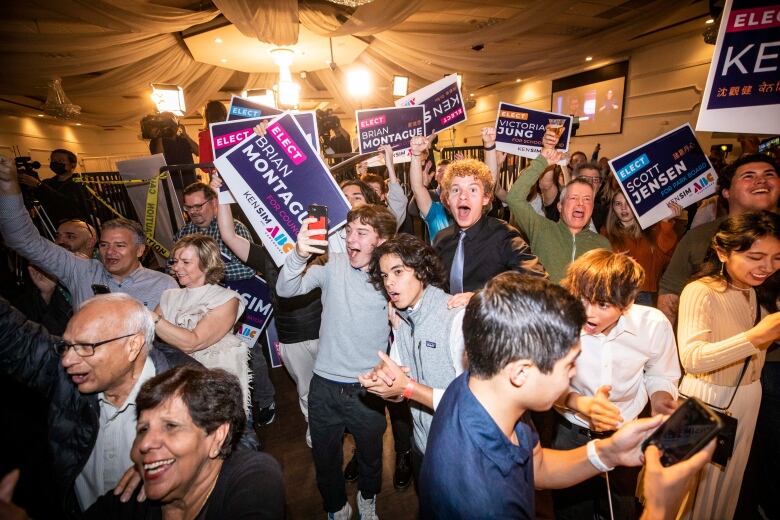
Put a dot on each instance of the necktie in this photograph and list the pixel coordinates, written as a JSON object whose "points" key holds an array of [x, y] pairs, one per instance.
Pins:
{"points": [[456, 273]]}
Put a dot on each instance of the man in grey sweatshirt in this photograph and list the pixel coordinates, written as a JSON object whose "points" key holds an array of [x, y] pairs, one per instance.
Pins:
{"points": [[354, 327]]}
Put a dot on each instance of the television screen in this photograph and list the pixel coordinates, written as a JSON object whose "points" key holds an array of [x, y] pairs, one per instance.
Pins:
{"points": [[595, 97]]}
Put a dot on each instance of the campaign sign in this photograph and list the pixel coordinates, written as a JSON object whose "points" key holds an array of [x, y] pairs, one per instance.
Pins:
{"points": [[242, 108], [275, 178], [670, 168], [226, 135], [258, 310], [743, 86], [274, 345], [520, 130], [443, 104], [389, 126]]}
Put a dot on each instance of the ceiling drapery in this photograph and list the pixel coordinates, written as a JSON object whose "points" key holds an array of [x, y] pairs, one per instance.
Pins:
{"points": [[107, 52]]}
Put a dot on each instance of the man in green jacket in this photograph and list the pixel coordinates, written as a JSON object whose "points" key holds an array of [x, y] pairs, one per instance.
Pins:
{"points": [[556, 244]]}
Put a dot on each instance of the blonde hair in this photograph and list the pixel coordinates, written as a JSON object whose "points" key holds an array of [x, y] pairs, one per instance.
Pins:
{"points": [[464, 168], [209, 257]]}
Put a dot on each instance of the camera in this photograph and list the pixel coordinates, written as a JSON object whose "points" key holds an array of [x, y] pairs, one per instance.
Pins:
{"points": [[25, 165], [327, 121], [163, 125]]}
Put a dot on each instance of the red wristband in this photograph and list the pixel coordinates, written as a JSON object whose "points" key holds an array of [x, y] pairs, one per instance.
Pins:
{"points": [[408, 389]]}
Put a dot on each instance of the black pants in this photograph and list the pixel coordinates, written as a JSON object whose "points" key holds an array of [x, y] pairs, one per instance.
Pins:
{"points": [[401, 423], [334, 407], [588, 499]]}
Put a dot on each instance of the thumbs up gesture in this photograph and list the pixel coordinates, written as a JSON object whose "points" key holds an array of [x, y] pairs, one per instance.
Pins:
{"points": [[602, 413]]}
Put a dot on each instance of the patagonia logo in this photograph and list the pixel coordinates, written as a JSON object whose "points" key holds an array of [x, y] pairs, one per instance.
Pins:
{"points": [[430, 344]]}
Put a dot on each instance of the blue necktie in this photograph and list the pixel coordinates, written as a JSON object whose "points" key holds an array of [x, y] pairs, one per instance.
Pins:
{"points": [[456, 273]]}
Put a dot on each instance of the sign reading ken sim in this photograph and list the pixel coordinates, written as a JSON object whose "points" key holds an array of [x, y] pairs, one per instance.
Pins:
{"points": [[743, 87], [670, 168], [443, 104], [275, 178]]}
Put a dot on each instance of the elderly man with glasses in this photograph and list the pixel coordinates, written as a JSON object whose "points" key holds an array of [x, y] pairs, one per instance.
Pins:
{"points": [[90, 378], [201, 204]]}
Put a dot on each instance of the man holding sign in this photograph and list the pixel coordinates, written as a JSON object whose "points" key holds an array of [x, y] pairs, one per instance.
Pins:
{"points": [[556, 243]]}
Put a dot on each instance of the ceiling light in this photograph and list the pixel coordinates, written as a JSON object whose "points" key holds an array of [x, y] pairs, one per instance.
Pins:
{"points": [[217, 40], [57, 103], [168, 98], [517, 80], [471, 95], [40, 115], [223, 60], [351, 3], [264, 96], [78, 124], [589, 58], [358, 82], [709, 21], [289, 93], [282, 57], [400, 86]]}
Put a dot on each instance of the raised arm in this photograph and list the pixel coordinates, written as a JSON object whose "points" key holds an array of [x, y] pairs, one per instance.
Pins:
{"points": [[493, 160], [227, 229], [396, 198], [294, 279], [420, 192]]}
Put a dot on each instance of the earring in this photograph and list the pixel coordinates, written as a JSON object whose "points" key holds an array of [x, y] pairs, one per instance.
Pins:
{"points": [[721, 270]]}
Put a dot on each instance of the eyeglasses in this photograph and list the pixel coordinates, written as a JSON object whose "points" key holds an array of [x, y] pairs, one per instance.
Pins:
{"points": [[596, 180], [84, 349], [196, 207]]}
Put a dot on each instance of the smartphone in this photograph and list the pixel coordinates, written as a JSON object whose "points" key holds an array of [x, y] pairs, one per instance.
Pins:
{"points": [[99, 288], [685, 432], [321, 214]]}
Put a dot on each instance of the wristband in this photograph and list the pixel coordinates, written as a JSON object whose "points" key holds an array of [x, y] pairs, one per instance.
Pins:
{"points": [[408, 389], [594, 458], [491, 147]]}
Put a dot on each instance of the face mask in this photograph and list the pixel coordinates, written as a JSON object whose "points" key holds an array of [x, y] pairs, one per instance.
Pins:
{"points": [[58, 168]]}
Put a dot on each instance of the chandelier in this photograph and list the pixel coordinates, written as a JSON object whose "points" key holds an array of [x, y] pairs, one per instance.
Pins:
{"points": [[57, 103], [351, 3]]}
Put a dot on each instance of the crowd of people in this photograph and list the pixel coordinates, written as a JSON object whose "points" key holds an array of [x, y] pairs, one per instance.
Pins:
{"points": [[511, 358]]}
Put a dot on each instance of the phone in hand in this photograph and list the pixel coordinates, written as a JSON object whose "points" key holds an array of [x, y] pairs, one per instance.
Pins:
{"points": [[685, 432], [99, 288], [321, 214]]}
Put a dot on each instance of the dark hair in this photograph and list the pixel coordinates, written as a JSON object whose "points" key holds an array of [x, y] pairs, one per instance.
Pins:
{"points": [[71, 156], [209, 257], [214, 112], [375, 215], [600, 275], [736, 234], [131, 225], [195, 187], [443, 162], [368, 178], [368, 194], [520, 317], [578, 152], [414, 254], [212, 397], [726, 175]]}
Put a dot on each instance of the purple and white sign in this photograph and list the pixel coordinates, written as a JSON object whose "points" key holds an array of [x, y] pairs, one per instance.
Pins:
{"points": [[443, 104], [242, 108], [519, 130], [743, 86], [275, 178], [258, 309], [670, 168], [390, 126]]}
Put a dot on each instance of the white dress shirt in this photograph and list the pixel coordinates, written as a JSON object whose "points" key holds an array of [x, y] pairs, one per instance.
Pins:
{"points": [[110, 456], [638, 357]]}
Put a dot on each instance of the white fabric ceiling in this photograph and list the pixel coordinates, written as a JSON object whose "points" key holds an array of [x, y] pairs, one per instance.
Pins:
{"points": [[107, 52]]}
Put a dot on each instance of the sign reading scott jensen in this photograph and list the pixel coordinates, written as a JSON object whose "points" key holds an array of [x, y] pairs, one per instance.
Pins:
{"points": [[275, 178], [393, 126], [743, 86], [443, 104], [520, 130], [242, 108], [670, 168], [258, 310]]}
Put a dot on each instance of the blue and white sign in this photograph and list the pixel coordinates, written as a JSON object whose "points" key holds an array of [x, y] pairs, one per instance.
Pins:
{"points": [[443, 104], [519, 130], [258, 309], [242, 108], [275, 178], [390, 126], [670, 168]]}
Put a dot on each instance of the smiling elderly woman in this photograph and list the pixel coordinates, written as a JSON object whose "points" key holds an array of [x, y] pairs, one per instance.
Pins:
{"points": [[189, 421]]}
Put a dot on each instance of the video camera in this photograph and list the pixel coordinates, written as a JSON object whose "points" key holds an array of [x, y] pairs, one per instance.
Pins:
{"points": [[327, 121], [163, 125], [27, 166]]}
